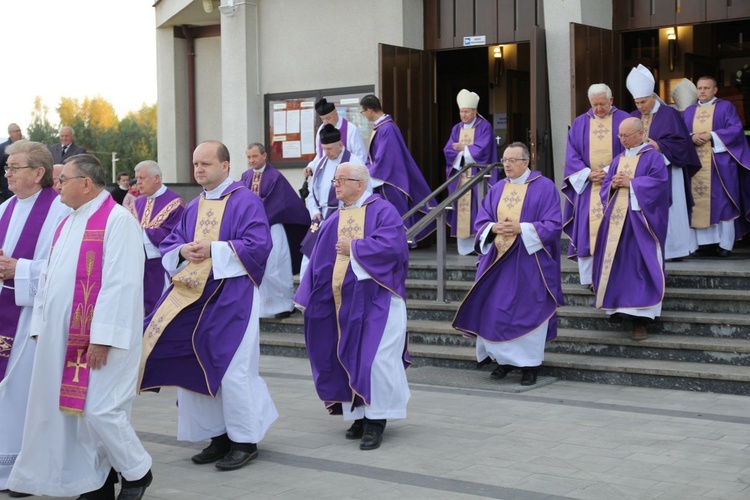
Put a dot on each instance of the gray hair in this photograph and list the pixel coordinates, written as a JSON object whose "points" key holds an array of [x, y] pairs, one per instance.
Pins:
{"points": [[600, 88], [37, 155], [525, 150], [148, 166], [89, 166], [73, 132], [360, 172]]}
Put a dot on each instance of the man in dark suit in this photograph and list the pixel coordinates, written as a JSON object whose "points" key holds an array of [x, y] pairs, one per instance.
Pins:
{"points": [[14, 134], [66, 148]]}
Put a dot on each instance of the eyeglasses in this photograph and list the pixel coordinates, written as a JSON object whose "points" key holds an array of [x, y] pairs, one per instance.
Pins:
{"points": [[341, 180], [625, 136], [62, 179], [512, 161], [14, 170]]}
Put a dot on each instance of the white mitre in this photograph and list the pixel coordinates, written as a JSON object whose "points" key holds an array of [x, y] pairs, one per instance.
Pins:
{"points": [[684, 94], [640, 82], [466, 99]]}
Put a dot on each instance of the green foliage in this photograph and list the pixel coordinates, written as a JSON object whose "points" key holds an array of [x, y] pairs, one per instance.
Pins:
{"points": [[99, 131]]}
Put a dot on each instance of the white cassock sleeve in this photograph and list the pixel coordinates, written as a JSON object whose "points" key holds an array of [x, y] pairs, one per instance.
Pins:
{"points": [[580, 180], [530, 238], [225, 262], [152, 251], [26, 280]]}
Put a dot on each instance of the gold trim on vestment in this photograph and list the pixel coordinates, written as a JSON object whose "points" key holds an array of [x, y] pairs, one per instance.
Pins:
{"points": [[509, 208], [617, 218], [600, 155], [188, 284], [351, 225], [463, 205], [255, 185], [701, 181]]}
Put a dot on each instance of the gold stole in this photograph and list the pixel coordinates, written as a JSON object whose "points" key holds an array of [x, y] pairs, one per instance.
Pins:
{"points": [[646, 119], [149, 222], [463, 217], [255, 186], [509, 206], [703, 122], [188, 283], [616, 223], [600, 155], [351, 225]]}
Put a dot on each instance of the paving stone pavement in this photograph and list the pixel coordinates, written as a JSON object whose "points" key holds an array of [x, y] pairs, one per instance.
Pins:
{"points": [[562, 440]]}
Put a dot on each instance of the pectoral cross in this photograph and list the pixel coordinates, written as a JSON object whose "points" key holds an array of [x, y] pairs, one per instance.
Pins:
{"points": [[78, 365]]}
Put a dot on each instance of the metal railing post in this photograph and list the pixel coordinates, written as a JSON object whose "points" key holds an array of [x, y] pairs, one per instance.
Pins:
{"points": [[441, 250]]}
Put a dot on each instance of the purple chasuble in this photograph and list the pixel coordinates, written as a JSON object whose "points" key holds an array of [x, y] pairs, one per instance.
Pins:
{"points": [[196, 348], [636, 278], [515, 294], [24, 249], [283, 206], [484, 152], [342, 361], [576, 159], [163, 216], [669, 131], [390, 161], [730, 171]]}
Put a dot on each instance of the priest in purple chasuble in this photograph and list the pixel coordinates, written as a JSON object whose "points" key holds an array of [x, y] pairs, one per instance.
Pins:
{"points": [[158, 210], [203, 335], [667, 133], [394, 174], [27, 222], [472, 141], [288, 220], [88, 322], [592, 143], [628, 264], [722, 186], [511, 309], [352, 297]]}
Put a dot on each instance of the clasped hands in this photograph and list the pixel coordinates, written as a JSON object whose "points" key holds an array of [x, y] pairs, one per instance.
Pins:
{"points": [[343, 246], [620, 180], [507, 227], [196, 251], [7, 266], [597, 176], [701, 138]]}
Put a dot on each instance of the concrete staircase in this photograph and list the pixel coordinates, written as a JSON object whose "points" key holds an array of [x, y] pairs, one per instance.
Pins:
{"points": [[700, 343]]}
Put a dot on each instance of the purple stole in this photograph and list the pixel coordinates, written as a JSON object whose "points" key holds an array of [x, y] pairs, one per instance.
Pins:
{"points": [[75, 377], [9, 311], [343, 131], [308, 242]]}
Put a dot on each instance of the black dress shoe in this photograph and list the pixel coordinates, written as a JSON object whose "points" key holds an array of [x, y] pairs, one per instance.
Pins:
{"points": [[18, 494], [721, 252], [486, 361], [283, 315], [106, 492], [501, 371], [218, 448], [356, 430], [134, 490], [528, 377], [371, 440], [236, 459]]}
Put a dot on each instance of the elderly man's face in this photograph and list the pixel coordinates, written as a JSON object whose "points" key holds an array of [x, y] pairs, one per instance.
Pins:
{"points": [[348, 188], [332, 151], [645, 104], [514, 163], [147, 183], [629, 137], [467, 114], [332, 118], [56, 170], [15, 134], [601, 105], [73, 186], [66, 136], [23, 180], [209, 172]]}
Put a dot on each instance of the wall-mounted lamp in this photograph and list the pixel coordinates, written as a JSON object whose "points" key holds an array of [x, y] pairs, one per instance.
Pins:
{"points": [[672, 46], [497, 53], [228, 9]]}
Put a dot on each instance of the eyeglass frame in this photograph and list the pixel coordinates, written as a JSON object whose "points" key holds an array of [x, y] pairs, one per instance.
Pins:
{"points": [[341, 180], [62, 179], [627, 136], [512, 161], [13, 170]]}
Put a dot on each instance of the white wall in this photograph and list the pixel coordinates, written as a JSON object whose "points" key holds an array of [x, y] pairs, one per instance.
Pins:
{"points": [[208, 89]]}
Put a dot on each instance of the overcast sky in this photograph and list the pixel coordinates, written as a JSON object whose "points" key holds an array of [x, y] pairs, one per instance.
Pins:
{"points": [[78, 48]]}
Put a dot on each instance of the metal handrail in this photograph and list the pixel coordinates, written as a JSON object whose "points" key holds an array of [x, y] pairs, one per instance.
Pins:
{"points": [[438, 214]]}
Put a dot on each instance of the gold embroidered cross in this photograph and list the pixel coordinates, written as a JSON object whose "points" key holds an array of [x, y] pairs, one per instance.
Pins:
{"points": [[78, 365], [601, 131]]}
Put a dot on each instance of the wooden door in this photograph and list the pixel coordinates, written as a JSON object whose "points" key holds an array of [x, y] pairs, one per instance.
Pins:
{"points": [[593, 59], [540, 143]]}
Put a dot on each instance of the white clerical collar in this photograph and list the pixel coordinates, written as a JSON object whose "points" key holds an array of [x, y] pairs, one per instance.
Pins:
{"points": [[382, 117], [259, 170], [656, 107], [359, 202], [216, 192], [159, 192], [524, 177], [28, 199], [707, 103], [629, 153], [471, 124]]}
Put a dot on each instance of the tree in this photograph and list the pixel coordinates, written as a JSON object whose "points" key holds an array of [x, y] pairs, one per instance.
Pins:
{"points": [[40, 129]]}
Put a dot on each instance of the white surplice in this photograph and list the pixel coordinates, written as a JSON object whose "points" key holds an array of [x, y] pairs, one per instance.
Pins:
{"points": [[277, 289], [14, 389], [64, 455], [242, 408]]}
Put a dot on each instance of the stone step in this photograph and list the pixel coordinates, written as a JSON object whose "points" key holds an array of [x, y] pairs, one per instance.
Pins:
{"points": [[676, 375], [676, 299]]}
